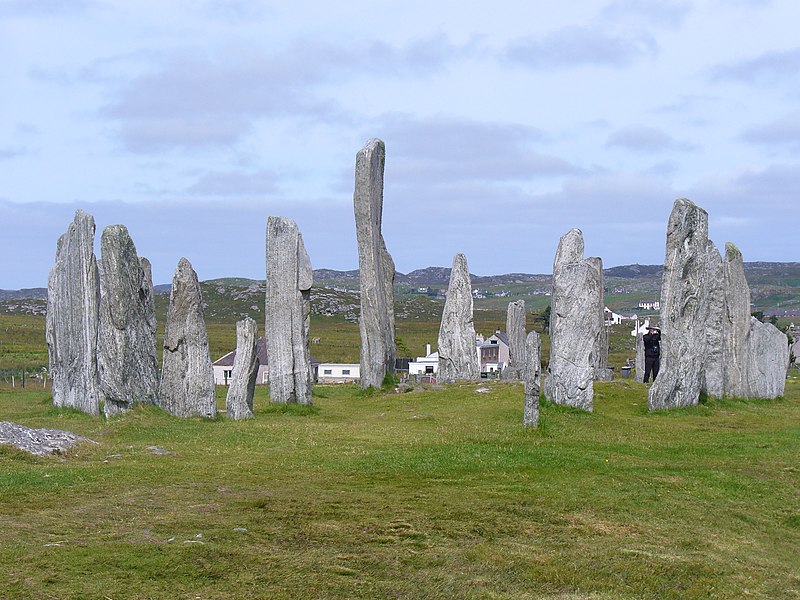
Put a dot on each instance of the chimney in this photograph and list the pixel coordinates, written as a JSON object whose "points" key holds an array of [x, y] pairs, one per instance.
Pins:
{"points": [[427, 349]]}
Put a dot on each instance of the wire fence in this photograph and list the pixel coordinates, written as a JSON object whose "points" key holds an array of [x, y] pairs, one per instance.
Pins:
{"points": [[22, 377]]}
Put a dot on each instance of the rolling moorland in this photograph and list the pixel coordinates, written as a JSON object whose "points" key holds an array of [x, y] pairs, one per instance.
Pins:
{"points": [[435, 493], [775, 289]]}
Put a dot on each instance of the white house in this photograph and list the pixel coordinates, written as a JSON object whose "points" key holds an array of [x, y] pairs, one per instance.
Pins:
{"points": [[338, 372], [611, 317], [425, 365], [223, 366], [656, 305], [493, 352]]}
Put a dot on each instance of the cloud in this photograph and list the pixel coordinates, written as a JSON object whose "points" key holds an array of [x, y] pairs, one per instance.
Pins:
{"points": [[580, 46], [685, 103], [442, 149], [746, 208], [235, 183], [768, 68], [193, 98], [44, 8], [664, 168], [641, 138], [781, 132], [8, 153], [234, 10], [667, 13], [775, 186], [220, 239]]}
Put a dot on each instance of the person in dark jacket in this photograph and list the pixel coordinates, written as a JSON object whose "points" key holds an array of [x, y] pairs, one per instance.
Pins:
{"points": [[652, 352]]}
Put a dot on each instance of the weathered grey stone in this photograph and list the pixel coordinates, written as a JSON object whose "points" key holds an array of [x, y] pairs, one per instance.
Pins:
{"points": [[376, 268], [288, 313], [639, 364], [458, 355], [768, 360], [684, 309], [187, 377], [713, 377], [515, 329], [126, 358], [576, 324], [40, 442], [73, 300], [736, 324], [600, 352], [532, 373], [239, 401]]}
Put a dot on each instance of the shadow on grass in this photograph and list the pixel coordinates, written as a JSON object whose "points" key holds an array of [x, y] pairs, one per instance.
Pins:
{"points": [[293, 410], [708, 406], [561, 409]]}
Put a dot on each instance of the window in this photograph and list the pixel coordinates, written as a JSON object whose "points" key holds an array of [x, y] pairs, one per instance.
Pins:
{"points": [[227, 373], [345, 371], [327, 372], [429, 368]]}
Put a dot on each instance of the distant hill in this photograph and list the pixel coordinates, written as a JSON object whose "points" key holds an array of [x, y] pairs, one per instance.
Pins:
{"points": [[40, 293], [634, 271], [775, 287]]}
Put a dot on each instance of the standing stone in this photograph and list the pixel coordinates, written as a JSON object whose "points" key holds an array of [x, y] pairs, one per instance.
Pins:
{"points": [[532, 376], [239, 401], [736, 324], [288, 313], [576, 324], [458, 355], [600, 352], [187, 377], [376, 268], [639, 363], [73, 299], [768, 360], [684, 309], [515, 329], [127, 358], [713, 382]]}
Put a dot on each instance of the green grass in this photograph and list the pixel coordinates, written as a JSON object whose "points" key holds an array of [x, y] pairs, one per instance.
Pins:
{"points": [[429, 494]]}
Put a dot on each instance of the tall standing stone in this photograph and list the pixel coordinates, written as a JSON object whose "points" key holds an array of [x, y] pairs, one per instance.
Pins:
{"points": [[376, 268], [127, 358], [73, 299], [639, 363], [684, 309], [576, 324], [187, 377], [458, 355], [532, 377], [515, 329], [768, 360], [736, 324], [600, 350], [239, 401], [713, 379], [288, 313]]}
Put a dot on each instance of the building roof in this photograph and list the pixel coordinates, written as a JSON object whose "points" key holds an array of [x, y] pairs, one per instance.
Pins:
{"points": [[500, 335], [261, 353]]}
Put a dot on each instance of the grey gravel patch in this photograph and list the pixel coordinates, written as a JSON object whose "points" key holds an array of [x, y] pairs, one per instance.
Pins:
{"points": [[40, 442], [159, 451]]}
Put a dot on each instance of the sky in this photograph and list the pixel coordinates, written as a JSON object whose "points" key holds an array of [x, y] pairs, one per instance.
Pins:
{"points": [[506, 124]]}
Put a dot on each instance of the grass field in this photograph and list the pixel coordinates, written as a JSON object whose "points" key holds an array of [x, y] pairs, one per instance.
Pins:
{"points": [[429, 494]]}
